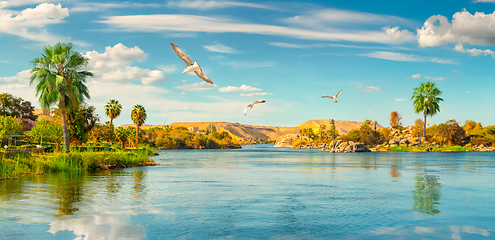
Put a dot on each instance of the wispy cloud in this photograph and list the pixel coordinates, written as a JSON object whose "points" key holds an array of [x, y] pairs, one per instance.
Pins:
{"points": [[433, 78], [320, 45], [241, 64], [221, 48], [99, 7], [394, 56], [400, 100], [195, 23], [255, 94], [474, 51], [484, 1], [416, 76], [368, 89], [200, 86], [371, 110], [208, 5], [331, 16], [242, 88]]}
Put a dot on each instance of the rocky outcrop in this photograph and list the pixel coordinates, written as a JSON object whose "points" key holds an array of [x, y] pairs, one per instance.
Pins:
{"points": [[287, 140], [340, 146]]}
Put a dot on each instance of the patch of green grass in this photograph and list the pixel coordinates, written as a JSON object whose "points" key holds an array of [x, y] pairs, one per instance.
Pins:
{"points": [[21, 164], [429, 148]]}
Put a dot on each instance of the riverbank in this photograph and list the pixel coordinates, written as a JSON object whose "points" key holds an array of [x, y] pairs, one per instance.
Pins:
{"points": [[15, 165]]}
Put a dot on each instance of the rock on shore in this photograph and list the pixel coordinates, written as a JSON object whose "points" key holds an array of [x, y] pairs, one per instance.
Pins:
{"points": [[340, 146], [287, 140]]}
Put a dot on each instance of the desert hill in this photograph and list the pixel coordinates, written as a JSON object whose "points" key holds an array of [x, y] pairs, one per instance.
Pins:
{"points": [[265, 132]]}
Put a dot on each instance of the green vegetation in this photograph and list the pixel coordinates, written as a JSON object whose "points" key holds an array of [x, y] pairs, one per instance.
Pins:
{"points": [[14, 165], [182, 138], [429, 149], [60, 81]]}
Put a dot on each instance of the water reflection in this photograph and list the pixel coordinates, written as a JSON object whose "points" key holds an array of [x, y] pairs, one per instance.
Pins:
{"points": [[427, 193], [68, 191]]}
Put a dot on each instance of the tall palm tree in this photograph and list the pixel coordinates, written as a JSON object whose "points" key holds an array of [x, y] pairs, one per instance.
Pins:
{"points": [[113, 109], [60, 80], [426, 100], [138, 116]]}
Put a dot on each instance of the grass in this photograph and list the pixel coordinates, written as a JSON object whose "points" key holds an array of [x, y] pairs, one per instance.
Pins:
{"points": [[12, 166], [429, 148]]}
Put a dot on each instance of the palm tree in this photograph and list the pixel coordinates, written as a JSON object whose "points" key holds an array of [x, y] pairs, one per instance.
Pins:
{"points": [[112, 110], [60, 80], [426, 99], [138, 116]]}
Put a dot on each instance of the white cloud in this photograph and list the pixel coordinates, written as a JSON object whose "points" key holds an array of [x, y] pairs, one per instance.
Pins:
{"points": [[30, 23], [18, 85], [371, 110], [220, 48], [399, 35], [474, 51], [208, 5], [114, 65], [99, 7], [199, 86], [436, 79], [255, 94], [484, 1], [465, 28], [242, 88], [394, 56], [416, 76], [400, 100], [195, 23]]}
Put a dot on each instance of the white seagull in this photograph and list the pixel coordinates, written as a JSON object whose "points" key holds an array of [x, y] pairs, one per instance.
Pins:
{"points": [[250, 106], [334, 97], [191, 67]]}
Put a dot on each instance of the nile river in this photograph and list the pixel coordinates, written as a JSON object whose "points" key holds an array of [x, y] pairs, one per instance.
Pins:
{"points": [[261, 192]]}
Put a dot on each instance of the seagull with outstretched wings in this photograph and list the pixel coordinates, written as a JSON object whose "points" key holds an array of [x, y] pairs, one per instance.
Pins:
{"points": [[334, 97], [191, 67], [251, 105]]}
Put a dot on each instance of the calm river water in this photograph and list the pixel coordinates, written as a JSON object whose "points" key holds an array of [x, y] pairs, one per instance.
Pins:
{"points": [[261, 192]]}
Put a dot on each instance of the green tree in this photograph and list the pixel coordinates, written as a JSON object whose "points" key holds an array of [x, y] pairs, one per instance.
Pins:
{"points": [[426, 100], [122, 135], [113, 109], [49, 130], [8, 125], [60, 80], [15, 107], [138, 116]]}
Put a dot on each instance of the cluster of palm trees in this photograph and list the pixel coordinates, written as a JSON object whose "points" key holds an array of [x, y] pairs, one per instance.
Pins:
{"points": [[61, 79], [138, 114]]}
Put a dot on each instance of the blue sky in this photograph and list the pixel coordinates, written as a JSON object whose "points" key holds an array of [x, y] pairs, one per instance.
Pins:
{"points": [[289, 53]]}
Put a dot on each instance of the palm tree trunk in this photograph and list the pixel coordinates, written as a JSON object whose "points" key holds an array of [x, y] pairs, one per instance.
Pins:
{"points": [[64, 121], [424, 127], [111, 122], [137, 135]]}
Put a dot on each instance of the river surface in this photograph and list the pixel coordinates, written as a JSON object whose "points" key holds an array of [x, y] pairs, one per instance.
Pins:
{"points": [[261, 192]]}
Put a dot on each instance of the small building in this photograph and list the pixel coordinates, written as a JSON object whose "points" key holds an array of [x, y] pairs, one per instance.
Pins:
{"points": [[193, 129], [42, 113]]}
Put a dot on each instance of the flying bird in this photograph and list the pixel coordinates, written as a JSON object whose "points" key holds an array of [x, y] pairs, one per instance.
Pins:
{"points": [[191, 67], [334, 97], [250, 106]]}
